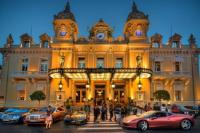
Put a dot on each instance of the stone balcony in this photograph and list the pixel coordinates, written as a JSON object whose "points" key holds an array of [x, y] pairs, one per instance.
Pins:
{"points": [[34, 75], [172, 74]]}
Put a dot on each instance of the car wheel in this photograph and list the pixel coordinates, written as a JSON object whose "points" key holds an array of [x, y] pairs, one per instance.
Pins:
{"points": [[186, 124], [142, 125]]}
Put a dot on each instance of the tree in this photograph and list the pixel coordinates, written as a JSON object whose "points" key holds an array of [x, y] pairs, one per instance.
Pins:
{"points": [[38, 95], [161, 95]]}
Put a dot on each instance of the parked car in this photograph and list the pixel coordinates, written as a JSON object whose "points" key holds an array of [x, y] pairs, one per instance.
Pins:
{"points": [[14, 115], [39, 116], [182, 110], [196, 108], [158, 119], [77, 117], [9, 110]]}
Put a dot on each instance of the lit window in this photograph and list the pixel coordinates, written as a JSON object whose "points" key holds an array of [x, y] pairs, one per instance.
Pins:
{"points": [[81, 62], [157, 66], [138, 33], [177, 66], [24, 65], [100, 62], [80, 93], [43, 65], [178, 95], [119, 63], [21, 95]]}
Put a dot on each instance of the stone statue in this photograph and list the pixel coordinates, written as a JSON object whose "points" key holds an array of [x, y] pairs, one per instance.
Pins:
{"points": [[139, 61], [62, 60]]}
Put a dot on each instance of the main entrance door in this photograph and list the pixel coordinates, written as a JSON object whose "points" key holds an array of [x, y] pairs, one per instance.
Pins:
{"points": [[99, 94]]}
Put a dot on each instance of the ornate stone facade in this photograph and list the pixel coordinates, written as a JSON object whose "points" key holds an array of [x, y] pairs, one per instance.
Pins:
{"points": [[100, 67]]}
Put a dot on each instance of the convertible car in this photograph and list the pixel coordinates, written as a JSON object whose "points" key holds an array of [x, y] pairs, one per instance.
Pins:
{"points": [[14, 115], [158, 119], [77, 117], [39, 116]]}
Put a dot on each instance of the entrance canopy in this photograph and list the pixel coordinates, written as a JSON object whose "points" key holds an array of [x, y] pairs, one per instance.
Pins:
{"points": [[100, 73]]}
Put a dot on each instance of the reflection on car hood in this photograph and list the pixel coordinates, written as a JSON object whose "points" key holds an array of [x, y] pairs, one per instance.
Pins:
{"points": [[130, 118]]}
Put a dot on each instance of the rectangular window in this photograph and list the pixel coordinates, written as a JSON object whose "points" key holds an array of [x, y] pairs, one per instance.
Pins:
{"points": [[177, 66], [43, 65], [81, 62], [78, 96], [21, 95], [157, 66], [100, 62], [119, 63], [178, 95], [24, 65], [26, 44], [80, 93], [45, 44]]}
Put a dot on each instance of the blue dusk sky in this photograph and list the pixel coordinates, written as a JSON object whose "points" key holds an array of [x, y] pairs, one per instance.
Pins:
{"points": [[35, 17]]}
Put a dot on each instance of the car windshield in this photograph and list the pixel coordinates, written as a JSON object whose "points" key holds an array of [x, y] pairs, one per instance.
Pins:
{"points": [[147, 114], [20, 111], [10, 110], [182, 107], [44, 109]]}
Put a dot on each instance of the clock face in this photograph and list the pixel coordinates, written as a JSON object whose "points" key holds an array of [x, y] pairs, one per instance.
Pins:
{"points": [[63, 33], [138, 33], [100, 36]]}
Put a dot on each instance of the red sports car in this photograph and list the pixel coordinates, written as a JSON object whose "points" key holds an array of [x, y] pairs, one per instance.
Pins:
{"points": [[158, 119]]}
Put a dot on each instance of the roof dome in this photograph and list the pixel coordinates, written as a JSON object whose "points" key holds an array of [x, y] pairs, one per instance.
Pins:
{"points": [[66, 14], [101, 23], [136, 14]]}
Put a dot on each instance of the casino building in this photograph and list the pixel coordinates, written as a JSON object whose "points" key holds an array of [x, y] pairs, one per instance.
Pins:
{"points": [[99, 67]]}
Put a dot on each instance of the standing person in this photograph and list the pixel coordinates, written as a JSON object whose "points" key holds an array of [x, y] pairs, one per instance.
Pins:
{"points": [[111, 111], [95, 113], [149, 107], [87, 110], [163, 108], [103, 113], [123, 112], [49, 119]]}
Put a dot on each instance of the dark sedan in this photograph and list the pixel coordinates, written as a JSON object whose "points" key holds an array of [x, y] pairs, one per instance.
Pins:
{"points": [[158, 119]]}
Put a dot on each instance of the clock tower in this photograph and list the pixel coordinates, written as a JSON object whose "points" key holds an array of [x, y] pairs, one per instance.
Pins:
{"points": [[101, 32], [136, 27], [65, 26]]}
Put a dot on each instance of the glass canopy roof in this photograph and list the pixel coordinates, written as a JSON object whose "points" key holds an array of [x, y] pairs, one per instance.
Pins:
{"points": [[100, 73]]}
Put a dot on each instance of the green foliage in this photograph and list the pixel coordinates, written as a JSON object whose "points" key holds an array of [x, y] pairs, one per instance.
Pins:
{"points": [[161, 95], [38, 95]]}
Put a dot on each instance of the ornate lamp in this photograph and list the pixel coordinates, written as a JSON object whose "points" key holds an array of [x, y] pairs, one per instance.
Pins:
{"points": [[87, 86], [139, 85], [60, 85], [113, 86]]}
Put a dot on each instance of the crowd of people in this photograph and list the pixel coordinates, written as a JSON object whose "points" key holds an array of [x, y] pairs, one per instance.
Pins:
{"points": [[112, 112]]}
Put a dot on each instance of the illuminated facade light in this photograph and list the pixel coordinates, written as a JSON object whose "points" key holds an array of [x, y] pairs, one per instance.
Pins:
{"points": [[113, 85], [60, 85], [139, 85]]}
